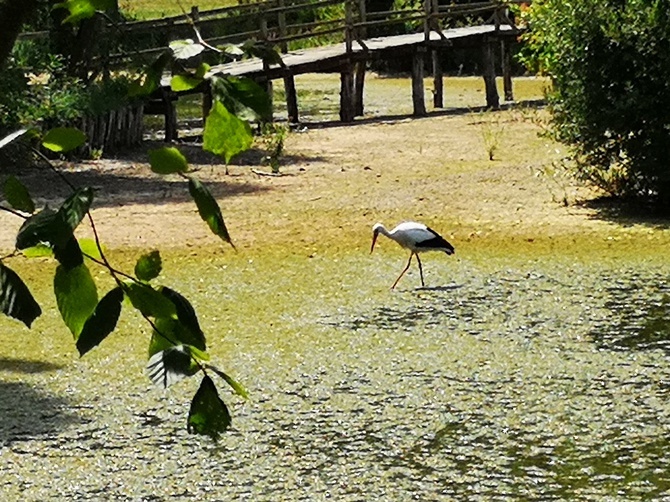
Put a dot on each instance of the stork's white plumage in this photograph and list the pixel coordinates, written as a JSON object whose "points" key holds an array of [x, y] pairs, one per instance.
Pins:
{"points": [[414, 236]]}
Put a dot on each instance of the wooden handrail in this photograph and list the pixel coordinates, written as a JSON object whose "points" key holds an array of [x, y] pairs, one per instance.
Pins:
{"points": [[272, 25]]}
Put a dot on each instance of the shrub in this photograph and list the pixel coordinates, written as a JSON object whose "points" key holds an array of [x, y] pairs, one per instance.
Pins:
{"points": [[47, 97], [609, 61]]}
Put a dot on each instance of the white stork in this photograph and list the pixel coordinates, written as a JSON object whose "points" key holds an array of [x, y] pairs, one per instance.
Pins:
{"points": [[416, 237]]}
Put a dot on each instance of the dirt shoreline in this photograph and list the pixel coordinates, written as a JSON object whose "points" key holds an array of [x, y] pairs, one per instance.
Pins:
{"points": [[341, 180]]}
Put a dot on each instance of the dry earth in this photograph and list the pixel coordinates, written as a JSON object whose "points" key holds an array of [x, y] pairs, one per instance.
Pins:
{"points": [[342, 179]]}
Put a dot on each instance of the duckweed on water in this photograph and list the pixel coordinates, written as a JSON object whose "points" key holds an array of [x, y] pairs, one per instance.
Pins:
{"points": [[518, 381]]}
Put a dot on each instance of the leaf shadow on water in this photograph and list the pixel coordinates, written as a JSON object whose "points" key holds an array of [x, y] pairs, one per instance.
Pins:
{"points": [[15, 365], [640, 315], [449, 305], [27, 412], [540, 464]]}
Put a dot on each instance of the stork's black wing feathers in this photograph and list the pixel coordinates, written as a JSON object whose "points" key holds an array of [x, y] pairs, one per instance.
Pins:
{"points": [[437, 242]]}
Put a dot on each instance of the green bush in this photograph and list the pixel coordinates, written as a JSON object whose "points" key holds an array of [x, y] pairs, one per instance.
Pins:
{"points": [[609, 61], [46, 96]]}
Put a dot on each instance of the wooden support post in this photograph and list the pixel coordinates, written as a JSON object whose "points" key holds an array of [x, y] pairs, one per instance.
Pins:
{"points": [[488, 62], [348, 28], [362, 17], [347, 108], [427, 18], [281, 21], [434, 20], [417, 82], [266, 82], [291, 98], [359, 83], [438, 87], [268, 88], [507, 70], [207, 101], [171, 133]]}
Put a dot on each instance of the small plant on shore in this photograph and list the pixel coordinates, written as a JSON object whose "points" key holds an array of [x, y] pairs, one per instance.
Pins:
{"points": [[557, 176], [492, 131], [273, 138]]}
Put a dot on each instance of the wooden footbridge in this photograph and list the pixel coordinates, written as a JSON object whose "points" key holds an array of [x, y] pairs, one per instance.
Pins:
{"points": [[350, 57]]}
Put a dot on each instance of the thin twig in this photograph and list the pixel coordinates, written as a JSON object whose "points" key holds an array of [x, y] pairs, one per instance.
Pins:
{"points": [[53, 168], [14, 212], [10, 255], [107, 265]]}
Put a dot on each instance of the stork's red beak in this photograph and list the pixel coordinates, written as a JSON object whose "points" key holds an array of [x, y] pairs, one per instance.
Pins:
{"points": [[374, 239]]}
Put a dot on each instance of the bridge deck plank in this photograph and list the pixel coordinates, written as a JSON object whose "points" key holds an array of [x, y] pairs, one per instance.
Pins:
{"points": [[306, 60]]}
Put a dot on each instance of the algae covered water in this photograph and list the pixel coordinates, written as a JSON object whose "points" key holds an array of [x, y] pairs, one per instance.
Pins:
{"points": [[513, 381]]}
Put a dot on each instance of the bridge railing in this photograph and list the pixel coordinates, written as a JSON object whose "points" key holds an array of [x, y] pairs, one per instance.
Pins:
{"points": [[278, 23]]}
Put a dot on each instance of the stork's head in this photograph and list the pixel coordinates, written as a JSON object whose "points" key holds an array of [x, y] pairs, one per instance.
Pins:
{"points": [[376, 229]]}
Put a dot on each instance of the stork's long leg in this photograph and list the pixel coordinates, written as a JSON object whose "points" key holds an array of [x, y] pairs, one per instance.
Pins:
{"points": [[404, 270], [420, 270]]}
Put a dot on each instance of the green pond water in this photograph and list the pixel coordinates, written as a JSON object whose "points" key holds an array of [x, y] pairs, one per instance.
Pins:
{"points": [[502, 380]]}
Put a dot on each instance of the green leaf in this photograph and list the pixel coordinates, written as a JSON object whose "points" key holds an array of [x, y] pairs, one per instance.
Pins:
{"points": [[102, 322], [15, 298], [43, 227], [83, 9], [208, 414], [17, 195], [165, 335], [232, 50], [225, 134], [202, 70], [185, 49], [243, 97], [148, 266], [171, 365], [38, 251], [208, 209], [12, 137], [187, 316], [149, 301], [180, 83], [55, 228], [63, 139], [260, 50], [69, 255], [170, 332], [76, 206], [239, 390], [185, 329], [198, 354], [167, 160], [90, 248], [147, 83], [76, 296]]}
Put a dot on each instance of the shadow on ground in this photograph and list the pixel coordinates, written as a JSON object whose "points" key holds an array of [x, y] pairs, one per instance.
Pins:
{"points": [[27, 412], [191, 147], [13, 365], [539, 103], [639, 315], [125, 178], [627, 213]]}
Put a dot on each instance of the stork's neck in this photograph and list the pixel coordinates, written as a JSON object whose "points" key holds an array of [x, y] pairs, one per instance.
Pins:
{"points": [[381, 229]]}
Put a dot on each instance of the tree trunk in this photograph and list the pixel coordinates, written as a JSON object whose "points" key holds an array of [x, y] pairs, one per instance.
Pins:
{"points": [[13, 14]]}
